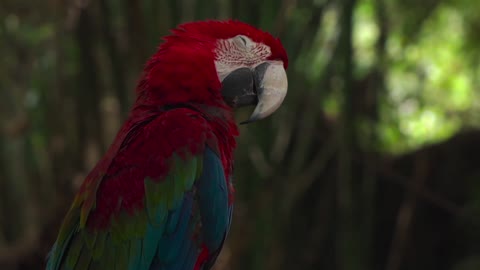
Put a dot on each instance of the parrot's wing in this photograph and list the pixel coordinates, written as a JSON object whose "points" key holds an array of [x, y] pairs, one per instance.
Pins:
{"points": [[182, 216]]}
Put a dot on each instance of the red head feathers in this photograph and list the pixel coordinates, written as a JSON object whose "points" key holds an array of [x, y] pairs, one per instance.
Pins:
{"points": [[158, 198], [183, 70]]}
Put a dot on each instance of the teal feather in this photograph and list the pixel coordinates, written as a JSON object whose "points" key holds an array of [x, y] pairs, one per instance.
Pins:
{"points": [[187, 246], [70, 227], [74, 253], [150, 243], [190, 259], [172, 222], [190, 173], [171, 242], [135, 254], [211, 201], [159, 236]]}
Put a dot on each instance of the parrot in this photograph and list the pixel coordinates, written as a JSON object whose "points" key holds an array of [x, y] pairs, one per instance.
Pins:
{"points": [[161, 198]]}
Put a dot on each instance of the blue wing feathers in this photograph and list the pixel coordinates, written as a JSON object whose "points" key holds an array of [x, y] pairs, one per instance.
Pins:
{"points": [[182, 256], [170, 240], [149, 245], [213, 200], [191, 256], [135, 254], [177, 250]]}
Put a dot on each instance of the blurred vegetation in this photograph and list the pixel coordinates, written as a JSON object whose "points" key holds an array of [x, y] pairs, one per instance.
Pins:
{"points": [[372, 162]]}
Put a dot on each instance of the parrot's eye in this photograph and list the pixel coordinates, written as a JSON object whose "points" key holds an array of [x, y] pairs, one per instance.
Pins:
{"points": [[242, 41]]}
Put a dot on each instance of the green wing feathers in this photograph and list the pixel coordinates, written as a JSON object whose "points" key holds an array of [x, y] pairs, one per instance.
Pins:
{"points": [[131, 240]]}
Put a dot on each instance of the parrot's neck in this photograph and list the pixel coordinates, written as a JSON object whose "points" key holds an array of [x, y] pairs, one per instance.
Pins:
{"points": [[223, 125], [220, 119], [225, 129]]}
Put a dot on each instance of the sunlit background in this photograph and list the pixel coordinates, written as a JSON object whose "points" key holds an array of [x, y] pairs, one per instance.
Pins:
{"points": [[373, 162]]}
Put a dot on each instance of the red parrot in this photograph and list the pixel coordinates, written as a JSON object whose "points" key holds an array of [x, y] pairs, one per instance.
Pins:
{"points": [[162, 196]]}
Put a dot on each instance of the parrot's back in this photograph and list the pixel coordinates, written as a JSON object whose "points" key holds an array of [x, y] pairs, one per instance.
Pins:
{"points": [[162, 202], [161, 197]]}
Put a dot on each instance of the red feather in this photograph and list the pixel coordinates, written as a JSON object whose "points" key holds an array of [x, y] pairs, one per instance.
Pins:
{"points": [[181, 73], [182, 131]]}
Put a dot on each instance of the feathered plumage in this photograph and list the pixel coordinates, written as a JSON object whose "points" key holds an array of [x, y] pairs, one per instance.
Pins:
{"points": [[162, 197]]}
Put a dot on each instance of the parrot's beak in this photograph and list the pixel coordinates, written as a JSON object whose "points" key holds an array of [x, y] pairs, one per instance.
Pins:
{"points": [[264, 86]]}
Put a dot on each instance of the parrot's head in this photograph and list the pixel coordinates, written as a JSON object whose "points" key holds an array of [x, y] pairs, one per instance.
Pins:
{"points": [[222, 64]]}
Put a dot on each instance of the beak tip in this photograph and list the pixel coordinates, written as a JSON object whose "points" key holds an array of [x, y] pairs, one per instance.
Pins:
{"points": [[274, 85], [250, 120]]}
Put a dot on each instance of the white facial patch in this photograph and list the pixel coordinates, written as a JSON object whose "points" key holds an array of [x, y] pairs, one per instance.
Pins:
{"points": [[237, 52]]}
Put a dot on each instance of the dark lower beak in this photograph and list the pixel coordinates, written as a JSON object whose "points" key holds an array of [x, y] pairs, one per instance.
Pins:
{"points": [[264, 86]]}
